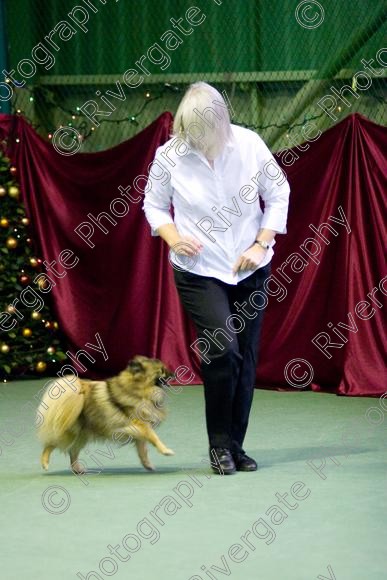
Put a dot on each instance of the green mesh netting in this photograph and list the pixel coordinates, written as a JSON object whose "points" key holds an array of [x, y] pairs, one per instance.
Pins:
{"points": [[282, 63]]}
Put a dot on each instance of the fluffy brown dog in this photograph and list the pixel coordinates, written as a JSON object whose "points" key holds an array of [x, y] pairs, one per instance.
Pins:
{"points": [[125, 407]]}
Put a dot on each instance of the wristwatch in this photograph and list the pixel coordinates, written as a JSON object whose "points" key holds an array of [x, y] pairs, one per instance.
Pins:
{"points": [[264, 245]]}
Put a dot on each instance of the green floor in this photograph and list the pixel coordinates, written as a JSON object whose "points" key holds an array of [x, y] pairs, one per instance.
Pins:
{"points": [[336, 529]]}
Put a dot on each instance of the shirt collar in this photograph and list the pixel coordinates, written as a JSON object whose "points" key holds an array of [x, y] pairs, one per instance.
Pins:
{"points": [[230, 143]]}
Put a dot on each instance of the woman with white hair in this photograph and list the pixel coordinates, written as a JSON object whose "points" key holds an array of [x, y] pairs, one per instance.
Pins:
{"points": [[221, 246]]}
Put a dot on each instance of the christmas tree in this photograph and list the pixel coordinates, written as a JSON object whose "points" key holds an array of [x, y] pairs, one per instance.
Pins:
{"points": [[30, 339]]}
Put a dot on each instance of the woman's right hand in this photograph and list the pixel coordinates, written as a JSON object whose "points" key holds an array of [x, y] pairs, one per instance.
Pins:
{"points": [[187, 246]]}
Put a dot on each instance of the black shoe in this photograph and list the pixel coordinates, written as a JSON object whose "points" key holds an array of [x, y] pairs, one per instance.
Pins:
{"points": [[222, 461], [244, 463]]}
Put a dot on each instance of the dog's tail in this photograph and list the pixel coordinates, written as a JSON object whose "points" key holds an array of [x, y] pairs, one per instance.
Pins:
{"points": [[59, 409]]}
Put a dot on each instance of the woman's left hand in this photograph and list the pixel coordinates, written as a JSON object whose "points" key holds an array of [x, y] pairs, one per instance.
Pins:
{"points": [[250, 259]]}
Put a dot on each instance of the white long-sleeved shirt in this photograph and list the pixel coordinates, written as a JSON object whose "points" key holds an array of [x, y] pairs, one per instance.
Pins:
{"points": [[220, 207]]}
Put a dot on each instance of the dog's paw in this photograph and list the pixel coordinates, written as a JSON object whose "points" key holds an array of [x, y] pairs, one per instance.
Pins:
{"points": [[168, 452], [149, 466], [77, 468]]}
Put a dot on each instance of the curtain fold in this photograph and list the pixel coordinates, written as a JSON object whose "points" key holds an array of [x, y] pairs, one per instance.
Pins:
{"points": [[118, 283]]}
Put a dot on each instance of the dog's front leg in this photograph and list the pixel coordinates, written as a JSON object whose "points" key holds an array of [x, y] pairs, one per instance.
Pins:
{"points": [[143, 431], [142, 451]]}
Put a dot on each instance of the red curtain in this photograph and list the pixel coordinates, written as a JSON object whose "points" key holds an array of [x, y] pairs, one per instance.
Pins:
{"points": [[120, 287]]}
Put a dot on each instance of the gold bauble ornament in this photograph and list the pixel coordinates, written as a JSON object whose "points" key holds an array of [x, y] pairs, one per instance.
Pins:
{"points": [[36, 315], [13, 191], [11, 243], [51, 350], [3, 191], [55, 325], [4, 348], [25, 221], [40, 366], [43, 283], [11, 309], [33, 262], [4, 223], [27, 332], [13, 170]]}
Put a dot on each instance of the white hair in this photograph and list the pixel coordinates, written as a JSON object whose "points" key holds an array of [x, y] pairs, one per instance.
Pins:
{"points": [[202, 119]]}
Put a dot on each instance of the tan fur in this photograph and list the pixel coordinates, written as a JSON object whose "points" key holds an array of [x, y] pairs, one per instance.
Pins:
{"points": [[129, 405]]}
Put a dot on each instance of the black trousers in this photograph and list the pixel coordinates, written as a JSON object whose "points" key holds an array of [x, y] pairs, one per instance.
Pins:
{"points": [[228, 367]]}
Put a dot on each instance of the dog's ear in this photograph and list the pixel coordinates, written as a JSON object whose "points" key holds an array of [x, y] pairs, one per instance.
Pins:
{"points": [[135, 366]]}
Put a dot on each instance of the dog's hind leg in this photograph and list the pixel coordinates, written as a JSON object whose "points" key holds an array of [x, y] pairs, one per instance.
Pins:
{"points": [[45, 456], [142, 451], [76, 466]]}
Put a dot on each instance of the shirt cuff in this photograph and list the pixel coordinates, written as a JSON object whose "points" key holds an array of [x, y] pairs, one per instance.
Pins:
{"points": [[270, 221], [165, 221]]}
